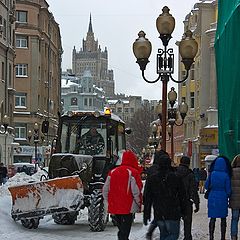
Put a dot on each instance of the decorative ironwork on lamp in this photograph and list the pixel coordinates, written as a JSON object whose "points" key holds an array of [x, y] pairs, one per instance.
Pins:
{"points": [[142, 49]]}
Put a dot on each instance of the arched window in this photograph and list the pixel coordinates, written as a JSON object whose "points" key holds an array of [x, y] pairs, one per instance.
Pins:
{"points": [[74, 101]]}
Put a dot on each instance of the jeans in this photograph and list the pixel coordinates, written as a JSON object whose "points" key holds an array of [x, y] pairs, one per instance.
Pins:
{"points": [[169, 229], [234, 222]]}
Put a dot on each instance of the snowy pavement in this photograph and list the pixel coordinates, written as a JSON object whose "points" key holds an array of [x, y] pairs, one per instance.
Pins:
{"points": [[48, 230]]}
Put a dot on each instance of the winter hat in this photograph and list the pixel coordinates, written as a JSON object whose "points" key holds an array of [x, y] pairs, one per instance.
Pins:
{"points": [[158, 155], [164, 161], [185, 160]]}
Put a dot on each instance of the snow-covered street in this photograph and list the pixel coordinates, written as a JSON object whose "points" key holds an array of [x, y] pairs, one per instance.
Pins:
{"points": [[48, 230]]}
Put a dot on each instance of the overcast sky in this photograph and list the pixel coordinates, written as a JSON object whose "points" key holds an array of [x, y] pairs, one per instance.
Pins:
{"points": [[116, 25]]}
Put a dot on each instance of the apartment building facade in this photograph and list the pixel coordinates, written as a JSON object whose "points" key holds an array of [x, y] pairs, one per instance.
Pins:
{"points": [[125, 107], [200, 90], [37, 71], [7, 55]]}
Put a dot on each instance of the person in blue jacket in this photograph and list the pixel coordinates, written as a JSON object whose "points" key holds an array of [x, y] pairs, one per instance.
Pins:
{"points": [[219, 184]]}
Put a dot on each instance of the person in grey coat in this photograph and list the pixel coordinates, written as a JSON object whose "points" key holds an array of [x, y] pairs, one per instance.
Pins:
{"points": [[234, 202]]}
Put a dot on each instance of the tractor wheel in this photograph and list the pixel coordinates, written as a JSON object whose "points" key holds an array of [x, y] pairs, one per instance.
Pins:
{"points": [[30, 223], [65, 218], [97, 215]]}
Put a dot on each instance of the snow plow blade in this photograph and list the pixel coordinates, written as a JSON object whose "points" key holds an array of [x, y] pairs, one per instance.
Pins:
{"points": [[38, 199]]}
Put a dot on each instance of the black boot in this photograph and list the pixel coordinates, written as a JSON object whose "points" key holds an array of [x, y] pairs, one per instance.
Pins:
{"points": [[150, 231], [211, 228], [223, 228]]}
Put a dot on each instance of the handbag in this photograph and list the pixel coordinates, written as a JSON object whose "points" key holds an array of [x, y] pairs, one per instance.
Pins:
{"points": [[206, 194]]}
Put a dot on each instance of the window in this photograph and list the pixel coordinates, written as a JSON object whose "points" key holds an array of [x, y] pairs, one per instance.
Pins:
{"points": [[192, 100], [21, 70], [74, 101], [21, 41], [10, 74], [3, 71], [20, 132], [85, 102], [4, 28], [21, 16], [90, 102], [119, 109], [20, 100]]}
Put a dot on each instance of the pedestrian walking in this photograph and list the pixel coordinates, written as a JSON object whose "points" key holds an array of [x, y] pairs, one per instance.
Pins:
{"points": [[3, 174], [164, 192], [197, 176], [154, 169], [219, 186], [192, 197], [122, 191], [234, 202], [202, 178]]}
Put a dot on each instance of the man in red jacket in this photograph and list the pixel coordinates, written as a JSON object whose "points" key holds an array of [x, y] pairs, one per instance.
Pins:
{"points": [[123, 192]]}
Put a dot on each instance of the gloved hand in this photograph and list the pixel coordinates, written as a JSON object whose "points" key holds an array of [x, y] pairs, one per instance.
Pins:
{"points": [[196, 208], [145, 220]]}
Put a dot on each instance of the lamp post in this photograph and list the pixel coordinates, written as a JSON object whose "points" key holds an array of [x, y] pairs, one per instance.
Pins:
{"points": [[155, 138], [5, 124], [142, 48], [35, 135], [173, 115]]}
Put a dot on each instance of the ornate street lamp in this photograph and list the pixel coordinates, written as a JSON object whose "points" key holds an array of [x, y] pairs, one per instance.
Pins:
{"points": [[142, 48], [173, 113], [35, 135], [5, 123], [155, 138]]}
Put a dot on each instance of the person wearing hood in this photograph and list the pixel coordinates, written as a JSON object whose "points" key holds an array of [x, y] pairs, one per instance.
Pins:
{"points": [[123, 193], [164, 191], [234, 202], [190, 185], [219, 186], [151, 171]]}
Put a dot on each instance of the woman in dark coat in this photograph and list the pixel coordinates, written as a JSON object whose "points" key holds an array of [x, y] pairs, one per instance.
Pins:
{"points": [[219, 183], [234, 202]]}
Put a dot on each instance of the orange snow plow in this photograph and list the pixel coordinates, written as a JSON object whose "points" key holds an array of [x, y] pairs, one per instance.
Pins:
{"points": [[32, 201]]}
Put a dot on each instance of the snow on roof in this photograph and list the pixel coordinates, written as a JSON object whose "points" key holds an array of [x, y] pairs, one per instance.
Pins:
{"points": [[98, 88], [115, 101], [66, 83], [211, 126], [112, 101]]}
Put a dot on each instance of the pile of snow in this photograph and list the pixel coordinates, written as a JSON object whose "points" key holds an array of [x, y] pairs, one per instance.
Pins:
{"points": [[44, 198], [20, 179], [40, 195]]}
